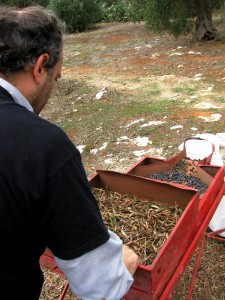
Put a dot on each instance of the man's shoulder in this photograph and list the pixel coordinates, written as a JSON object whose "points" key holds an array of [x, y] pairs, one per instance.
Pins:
{"points": [[49, 145], [51, 135], [27, 128]]}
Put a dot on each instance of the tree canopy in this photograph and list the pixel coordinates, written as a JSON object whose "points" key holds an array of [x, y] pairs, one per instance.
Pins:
{"points": [[182, 17], [79, 15], [175, 16]]}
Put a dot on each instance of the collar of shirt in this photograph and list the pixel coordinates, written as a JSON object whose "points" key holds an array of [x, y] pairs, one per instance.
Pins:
{"points": [[15, 93]]}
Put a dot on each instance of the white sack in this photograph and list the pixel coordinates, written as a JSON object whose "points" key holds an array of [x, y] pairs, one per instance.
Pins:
{"points": [[199, 149]]}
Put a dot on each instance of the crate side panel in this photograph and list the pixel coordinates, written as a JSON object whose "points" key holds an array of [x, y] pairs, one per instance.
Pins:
{"points": [[211, 193], [143, 279], [171, 286], [175, 247], [134, 294], [146, 189], [155, 166]]}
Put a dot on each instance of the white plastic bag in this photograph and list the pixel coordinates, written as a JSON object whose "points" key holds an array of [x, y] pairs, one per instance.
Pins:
{"points": [[218, 220], [201, 148]]}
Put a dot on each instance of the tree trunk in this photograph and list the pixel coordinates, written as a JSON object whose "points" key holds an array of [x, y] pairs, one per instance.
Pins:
{"points": [[204, 29]]}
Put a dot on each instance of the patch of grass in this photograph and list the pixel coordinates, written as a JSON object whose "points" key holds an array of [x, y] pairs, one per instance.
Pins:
{"points": [[148, 129], [155, 91], [137, 108], [189, 90], [221, 99], [66, 124], [136, 80], [95, 106]]}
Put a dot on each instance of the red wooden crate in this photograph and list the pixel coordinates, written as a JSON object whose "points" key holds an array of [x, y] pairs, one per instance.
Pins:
{"points": [[159, 279], [151, 281]]}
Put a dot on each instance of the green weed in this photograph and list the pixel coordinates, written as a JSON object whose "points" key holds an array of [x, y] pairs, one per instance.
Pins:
{"points": [[221, 99], [189, 90]]}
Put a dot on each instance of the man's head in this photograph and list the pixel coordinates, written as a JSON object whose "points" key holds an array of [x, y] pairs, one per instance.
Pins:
{"points": [[31, 41], [25, 34]]}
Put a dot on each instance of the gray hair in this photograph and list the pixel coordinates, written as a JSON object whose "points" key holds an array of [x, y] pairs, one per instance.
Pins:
{"points": [[27, 33]]}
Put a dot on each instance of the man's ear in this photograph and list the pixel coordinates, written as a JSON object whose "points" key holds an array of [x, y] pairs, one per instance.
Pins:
{"points": [[39, 69]]}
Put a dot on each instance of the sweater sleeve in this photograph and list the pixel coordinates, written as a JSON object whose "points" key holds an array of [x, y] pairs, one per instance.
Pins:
{"points": [[98, 274], [72, 222]]}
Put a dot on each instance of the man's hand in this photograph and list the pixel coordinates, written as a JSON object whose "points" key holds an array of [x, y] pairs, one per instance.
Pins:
{"points": [[130, 259]]}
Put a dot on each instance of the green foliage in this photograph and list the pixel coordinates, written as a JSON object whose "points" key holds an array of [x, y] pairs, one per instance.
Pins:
{"points": [[123, 10], [68, 11], [173, 15], [176, 16], [79, 15], [117, 12], [92, 12], [137, 10], [105, 2], [215, 4]]}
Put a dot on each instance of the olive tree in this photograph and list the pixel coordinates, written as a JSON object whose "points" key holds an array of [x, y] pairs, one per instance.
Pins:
{"points": [[182, 17]]}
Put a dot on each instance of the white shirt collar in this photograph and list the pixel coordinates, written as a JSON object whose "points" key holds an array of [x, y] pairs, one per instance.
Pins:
{"points": [[15, 93]]}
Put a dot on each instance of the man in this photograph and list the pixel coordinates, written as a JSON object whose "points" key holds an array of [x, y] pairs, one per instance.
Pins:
{"points": [[45, 198]]}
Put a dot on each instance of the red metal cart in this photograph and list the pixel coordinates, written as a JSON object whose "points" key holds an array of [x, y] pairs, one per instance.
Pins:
{"points": [[159, 280]]}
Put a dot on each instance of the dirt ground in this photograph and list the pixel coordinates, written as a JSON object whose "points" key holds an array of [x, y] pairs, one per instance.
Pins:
{"points": [[130, 64], [127, 63]]}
